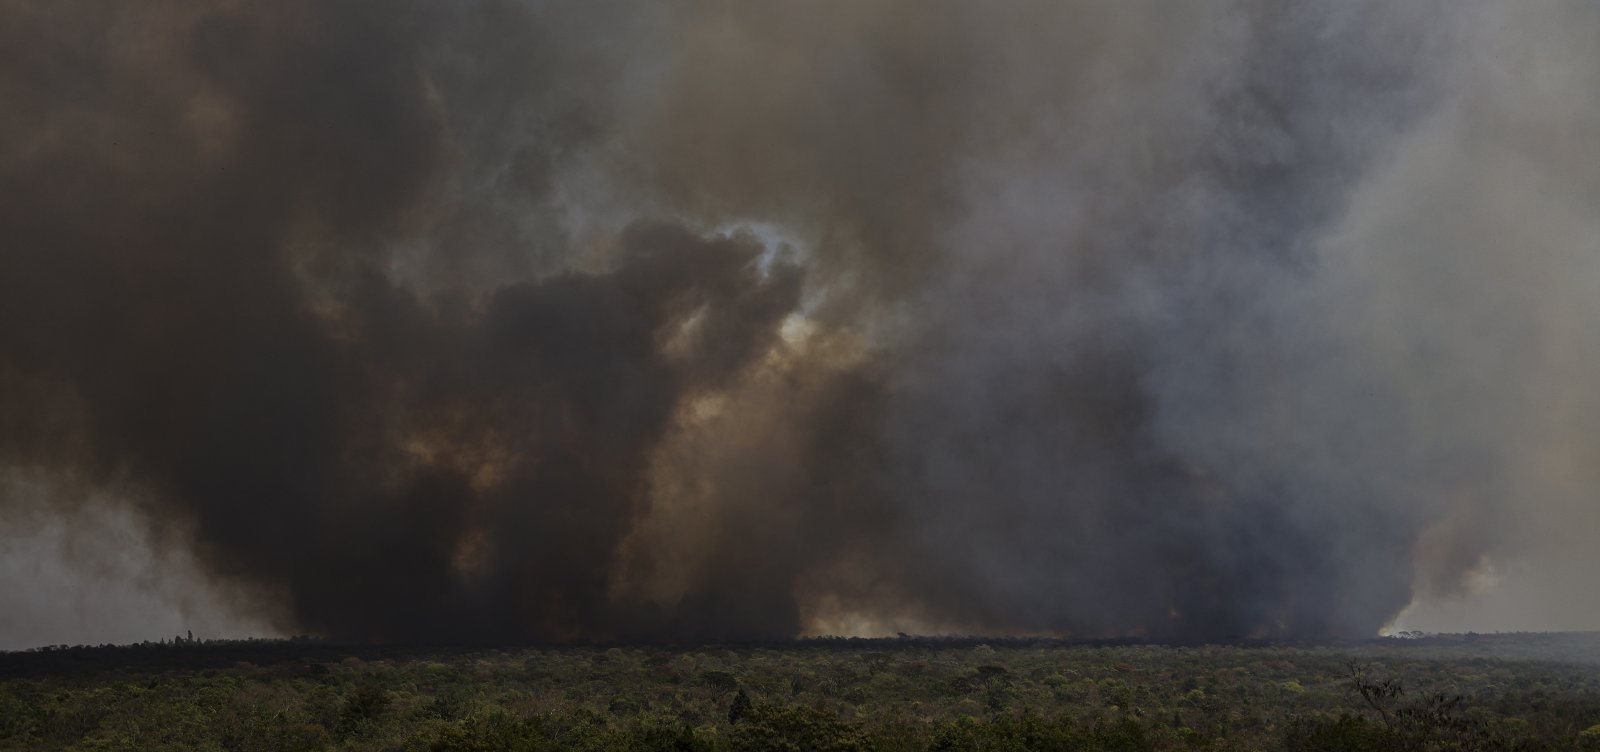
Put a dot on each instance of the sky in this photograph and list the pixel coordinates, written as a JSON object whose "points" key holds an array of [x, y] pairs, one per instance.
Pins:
{"points": [[543, 320]]}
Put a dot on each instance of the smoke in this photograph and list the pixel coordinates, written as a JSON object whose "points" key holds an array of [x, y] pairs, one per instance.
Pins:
{"points": [[508, 320]]}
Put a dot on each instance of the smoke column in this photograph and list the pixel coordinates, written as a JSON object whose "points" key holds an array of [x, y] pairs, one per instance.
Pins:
{"points": [[545, 320]]}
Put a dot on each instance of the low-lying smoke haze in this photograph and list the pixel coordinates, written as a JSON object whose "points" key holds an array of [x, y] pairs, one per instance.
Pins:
{"points": [[557, 319]]}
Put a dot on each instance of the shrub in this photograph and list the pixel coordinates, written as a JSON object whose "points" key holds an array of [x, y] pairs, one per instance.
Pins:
{"points": [[781, 728]]}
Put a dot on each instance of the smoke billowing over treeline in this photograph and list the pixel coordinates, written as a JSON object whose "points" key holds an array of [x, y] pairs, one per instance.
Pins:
{"points": [[518, 319]]}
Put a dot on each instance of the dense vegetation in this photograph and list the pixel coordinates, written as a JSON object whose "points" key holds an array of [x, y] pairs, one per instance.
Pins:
{"points": [[1438, 693]]}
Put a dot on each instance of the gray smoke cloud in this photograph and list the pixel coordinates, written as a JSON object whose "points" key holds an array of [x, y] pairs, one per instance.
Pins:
{"points": [[511, 320]]}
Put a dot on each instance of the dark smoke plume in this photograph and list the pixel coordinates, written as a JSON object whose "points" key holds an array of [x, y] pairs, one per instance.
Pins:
{"points": [[521, 319]]}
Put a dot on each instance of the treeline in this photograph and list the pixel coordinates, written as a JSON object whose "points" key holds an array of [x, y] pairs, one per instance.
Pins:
{"points": [[911, 694]]}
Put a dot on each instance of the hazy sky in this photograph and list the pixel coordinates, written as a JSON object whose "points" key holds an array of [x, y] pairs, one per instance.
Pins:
{"points": [[549, 319]]}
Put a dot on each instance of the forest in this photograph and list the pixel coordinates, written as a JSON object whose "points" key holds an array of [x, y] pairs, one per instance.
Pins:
{"points": [[1409, 692]]}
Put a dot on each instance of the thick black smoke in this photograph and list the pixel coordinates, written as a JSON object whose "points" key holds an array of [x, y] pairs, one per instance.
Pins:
{"points": [[544, 320]]}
